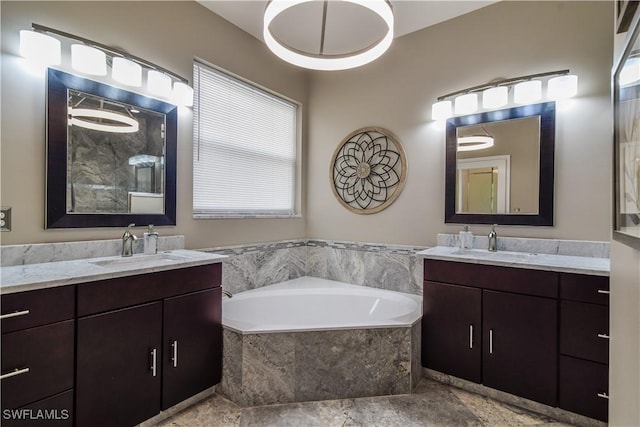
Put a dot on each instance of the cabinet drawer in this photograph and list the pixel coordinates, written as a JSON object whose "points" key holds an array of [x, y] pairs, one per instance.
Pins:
{"points": [[47, 351], [516, 280], [43, 305], [59, 408], [580, 325], [584, 288], [581, 382], [112, 294]]}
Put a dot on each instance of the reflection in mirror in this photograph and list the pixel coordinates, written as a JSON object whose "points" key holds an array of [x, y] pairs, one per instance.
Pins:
{"points": [[499, 167], [111, 155], [115, 157], [501, 178]]}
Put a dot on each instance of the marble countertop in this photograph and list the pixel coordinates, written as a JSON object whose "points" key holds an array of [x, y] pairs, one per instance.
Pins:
{"points": [[50, 274], [535, 261]]}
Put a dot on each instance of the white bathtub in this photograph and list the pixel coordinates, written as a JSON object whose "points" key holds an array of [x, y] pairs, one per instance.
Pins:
{"points": [[311, 304]]}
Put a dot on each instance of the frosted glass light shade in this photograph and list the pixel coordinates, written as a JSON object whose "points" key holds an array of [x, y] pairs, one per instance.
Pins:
{"points": [[466, 104], [88, 60], [527, 92], [182, 94], [495, 97], [630, 72], [159, 83], [562, 87], [126, 71], [39, 48], [441, 110]]}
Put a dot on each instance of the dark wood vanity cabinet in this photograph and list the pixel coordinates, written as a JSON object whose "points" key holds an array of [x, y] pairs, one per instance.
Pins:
{"points": [[492, 325], [38, 330], [141, 352], [537, 334], [584, 345]]}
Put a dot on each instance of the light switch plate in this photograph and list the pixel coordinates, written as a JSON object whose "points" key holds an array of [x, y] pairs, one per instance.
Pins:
{"points": [[5, 219]]}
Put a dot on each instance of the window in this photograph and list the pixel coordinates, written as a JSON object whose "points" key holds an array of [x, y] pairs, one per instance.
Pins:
{"points": [[244, 148]]}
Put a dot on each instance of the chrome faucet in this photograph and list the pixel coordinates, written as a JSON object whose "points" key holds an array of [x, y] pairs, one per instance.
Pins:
{"points": [[493, 239], [227, 293], [127, 241]]}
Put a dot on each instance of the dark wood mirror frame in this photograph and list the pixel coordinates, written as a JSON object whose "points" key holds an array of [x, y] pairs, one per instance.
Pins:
{"points": [[544, 217], [58, 83]]}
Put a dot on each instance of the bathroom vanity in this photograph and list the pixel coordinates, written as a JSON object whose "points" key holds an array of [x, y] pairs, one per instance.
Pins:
{"points": [[533, 325], [110, 341]]}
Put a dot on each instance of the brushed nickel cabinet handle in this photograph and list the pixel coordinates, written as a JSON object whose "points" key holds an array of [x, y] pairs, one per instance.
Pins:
{"points": [[13, 373], [603, 291], [603, 395], [14, 314], [605, 336], [174, 358], [490, 341], [154, 359], [470, 336]]}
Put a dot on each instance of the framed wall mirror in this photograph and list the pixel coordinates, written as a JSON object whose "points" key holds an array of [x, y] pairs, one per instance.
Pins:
{"points": [[500, 167], [111, 155]]}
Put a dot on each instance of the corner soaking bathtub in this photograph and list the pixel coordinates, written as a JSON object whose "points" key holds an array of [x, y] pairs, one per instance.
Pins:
{"points": [[312, 304], [314, 339]]}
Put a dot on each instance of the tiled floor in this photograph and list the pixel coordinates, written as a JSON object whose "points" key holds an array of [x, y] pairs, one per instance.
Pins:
{"points": [[432, 404]]}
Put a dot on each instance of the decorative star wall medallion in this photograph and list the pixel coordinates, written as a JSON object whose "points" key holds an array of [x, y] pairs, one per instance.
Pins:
{"points": [[368, 170]]}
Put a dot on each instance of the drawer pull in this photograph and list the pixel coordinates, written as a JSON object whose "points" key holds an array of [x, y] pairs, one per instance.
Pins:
{"points": [[174, 358], [470, 336], [13, 373], [605, 336], [603, 395], [154, 359], [490, 341], [14, 314], [603, 291]]}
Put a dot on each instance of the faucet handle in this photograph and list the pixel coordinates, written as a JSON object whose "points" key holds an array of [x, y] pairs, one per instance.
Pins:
{"points": [[130, 225]]}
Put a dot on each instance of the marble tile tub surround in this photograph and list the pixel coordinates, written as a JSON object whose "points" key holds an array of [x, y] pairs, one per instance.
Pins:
{"points": [[66, 251], [583, 248], [392, 267], [274, 368]]}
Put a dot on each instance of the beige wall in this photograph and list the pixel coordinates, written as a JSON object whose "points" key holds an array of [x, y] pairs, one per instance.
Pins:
{"points": [[505, 40], [170, 34]]}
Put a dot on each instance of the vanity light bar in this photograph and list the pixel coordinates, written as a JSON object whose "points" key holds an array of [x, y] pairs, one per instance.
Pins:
{"points": [[527, 89], [126, 68]]}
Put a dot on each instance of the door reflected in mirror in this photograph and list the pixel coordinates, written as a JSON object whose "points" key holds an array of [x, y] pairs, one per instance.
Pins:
{"points": [[501, 178], [115, 157]]}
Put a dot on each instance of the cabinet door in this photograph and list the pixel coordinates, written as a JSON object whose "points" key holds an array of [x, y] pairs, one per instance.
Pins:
{"points": [[192, 360], [117, 383], [520, 345], [451, 330]]}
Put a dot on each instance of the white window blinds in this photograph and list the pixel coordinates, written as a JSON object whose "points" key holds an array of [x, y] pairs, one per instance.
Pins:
{"points": [[244, 148]]}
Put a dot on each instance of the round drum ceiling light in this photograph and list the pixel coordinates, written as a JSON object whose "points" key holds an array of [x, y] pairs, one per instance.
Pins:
{"points": [[329, 62], [122, 124]]}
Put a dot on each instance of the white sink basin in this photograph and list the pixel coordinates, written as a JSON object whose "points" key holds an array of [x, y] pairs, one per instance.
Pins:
{"points": [[498, 255], [138, 260]]}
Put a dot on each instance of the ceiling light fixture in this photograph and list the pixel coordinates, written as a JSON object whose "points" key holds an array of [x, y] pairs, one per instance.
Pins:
{"points": [[475, 142], [321, 61], [526, 90], [40, 46], [121, 123]]}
